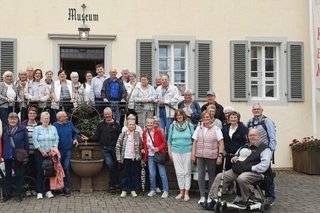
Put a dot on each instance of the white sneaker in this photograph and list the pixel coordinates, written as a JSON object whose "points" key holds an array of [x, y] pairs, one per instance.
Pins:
{"points": [[179, 196], [49, 194], [158, 190], [237, 199], [123, 194], [186, 198], [133, 194], [151, 193], [202, 200], [39, 196], [165, 195]]}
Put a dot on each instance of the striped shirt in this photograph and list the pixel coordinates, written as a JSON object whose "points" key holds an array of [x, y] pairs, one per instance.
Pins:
{"points": [[45, 137], [30, 127]]}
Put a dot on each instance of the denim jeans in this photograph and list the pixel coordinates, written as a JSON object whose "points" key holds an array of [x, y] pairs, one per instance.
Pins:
{"points": [[152, 173], [65, 162], [110, 160], [130, 175], [114, 105], [165, 121], [19, 175]]}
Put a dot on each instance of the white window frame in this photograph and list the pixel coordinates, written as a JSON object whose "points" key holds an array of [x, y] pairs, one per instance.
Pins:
{"points": [[262, 72]]}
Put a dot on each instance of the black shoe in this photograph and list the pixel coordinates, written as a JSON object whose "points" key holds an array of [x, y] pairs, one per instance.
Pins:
{"points": [[19, 199], [270, 200], [6, 198], [66, 192], [209, 205]]}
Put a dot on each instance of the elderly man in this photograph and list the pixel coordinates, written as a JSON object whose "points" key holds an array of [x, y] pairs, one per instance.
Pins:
{"points": [[167, 98], [95, 90], [267, 130], [68, 137], [29, 70], [158, 81], [114, 91], [107, 134], [125, 75], [211, 98], [250, 162]]}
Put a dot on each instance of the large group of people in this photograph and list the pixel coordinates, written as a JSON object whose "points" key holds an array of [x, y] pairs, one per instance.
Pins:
{"points": [[156, 119]]}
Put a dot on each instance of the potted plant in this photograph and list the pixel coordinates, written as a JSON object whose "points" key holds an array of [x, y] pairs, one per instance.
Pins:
{"points": [[306, 155]]}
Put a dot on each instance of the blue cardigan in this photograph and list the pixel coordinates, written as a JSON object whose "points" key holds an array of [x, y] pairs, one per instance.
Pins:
{"points": [[20, 139]]}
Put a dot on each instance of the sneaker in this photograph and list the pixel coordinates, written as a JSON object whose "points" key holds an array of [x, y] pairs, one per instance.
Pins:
{"points": [[151, 193], [202, 200], [19, 199], [28, 193], [158, 190], [209, 205], [133, 194], [179, 196], [237, 199], [186, 198], [49, 194], [39, 196], [66, 192], [165, 195], [270, 200], [123, 194]]}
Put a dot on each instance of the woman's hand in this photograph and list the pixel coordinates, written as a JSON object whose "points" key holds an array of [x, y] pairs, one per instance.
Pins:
{"points": [[170, 156], [219, 160], [193, 158], [155, 149]]}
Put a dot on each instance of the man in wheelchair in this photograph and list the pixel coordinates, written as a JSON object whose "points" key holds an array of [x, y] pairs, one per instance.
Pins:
{"points": [[249, 164]]}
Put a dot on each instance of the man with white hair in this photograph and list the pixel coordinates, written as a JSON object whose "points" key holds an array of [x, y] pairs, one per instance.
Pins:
{"points": [[68, 137], [125, 75]]}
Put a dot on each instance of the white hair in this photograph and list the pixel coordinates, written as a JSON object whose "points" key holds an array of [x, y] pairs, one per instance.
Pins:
{"points": [[228, 109], [74, 74], [6, 73]]}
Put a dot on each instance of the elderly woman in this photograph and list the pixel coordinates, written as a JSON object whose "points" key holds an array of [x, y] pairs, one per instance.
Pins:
{"points": [[77, 89], [44, 137], [15, 136], [37, 92], [130, 87], [179, 148], [86, 86], [207, 149], [128, 151], [137, 128], [227, 110], [212, 108], [154, 141], [8, 96], [144, 96], [22, 85], [190, 107], [63, 95]]}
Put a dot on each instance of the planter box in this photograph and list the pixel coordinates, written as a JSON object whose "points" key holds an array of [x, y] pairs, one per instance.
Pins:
{"points": [[306, 162]]}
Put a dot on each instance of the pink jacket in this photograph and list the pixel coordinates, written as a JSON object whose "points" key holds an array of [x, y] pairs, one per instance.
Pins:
{"points": [[57, 181]]}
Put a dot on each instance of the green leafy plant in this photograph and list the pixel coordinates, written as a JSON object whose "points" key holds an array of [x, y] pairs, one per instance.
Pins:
{"points": [[306, 144], [85, 119]]}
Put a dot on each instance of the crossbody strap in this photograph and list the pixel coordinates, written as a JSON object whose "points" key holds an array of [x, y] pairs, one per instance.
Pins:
{"points": [[151, 138]]}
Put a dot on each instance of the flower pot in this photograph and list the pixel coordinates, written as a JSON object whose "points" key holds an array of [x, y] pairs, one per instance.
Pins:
{"points": [[306, 162]]}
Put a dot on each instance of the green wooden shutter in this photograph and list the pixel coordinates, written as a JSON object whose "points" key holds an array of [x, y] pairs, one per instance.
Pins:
{"points": [[295, 71], [203, 66], [8, 55], [239, 70], [145, 59]]}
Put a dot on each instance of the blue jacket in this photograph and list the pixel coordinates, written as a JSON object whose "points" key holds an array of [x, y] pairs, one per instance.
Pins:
{"points": [[67, 133], [196, 111], [105, 90], [239, 138], [20, 139]]}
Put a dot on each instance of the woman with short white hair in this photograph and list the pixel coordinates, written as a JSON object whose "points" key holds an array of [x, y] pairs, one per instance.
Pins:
{"points": [[190, 107], [77, 89], [8, 96]]}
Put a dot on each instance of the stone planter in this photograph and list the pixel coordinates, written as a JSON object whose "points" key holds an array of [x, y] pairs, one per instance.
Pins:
{"points": [[306, 162]]}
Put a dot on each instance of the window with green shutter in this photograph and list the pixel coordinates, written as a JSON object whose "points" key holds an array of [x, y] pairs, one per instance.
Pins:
{"points": [[8, 57]]}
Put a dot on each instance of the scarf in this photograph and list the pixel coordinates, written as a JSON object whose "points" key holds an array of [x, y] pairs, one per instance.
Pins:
{"points": [[180, 126]]}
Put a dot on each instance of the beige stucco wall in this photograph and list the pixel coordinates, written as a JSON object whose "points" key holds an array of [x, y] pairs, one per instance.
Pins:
{"points": [[217, 20]]}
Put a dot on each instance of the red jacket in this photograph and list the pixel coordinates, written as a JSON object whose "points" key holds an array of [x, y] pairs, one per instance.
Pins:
{"points": [[159, 142]]}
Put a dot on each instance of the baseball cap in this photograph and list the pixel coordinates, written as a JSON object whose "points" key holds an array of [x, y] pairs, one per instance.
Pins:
{"points": [[211, 93], [243, 154]]}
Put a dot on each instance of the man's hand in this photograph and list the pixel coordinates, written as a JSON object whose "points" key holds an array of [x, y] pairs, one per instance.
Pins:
{"points": [[234, 159], [75, 142], [83, 137], [105, 100]]}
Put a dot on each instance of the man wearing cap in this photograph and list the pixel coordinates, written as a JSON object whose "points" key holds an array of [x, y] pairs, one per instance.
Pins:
{"points": [[211, 98], [251, 160]]}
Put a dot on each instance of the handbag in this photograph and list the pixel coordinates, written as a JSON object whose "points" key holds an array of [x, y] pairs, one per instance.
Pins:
{"points": [[158, 156], [21, 155], [48, 167]]}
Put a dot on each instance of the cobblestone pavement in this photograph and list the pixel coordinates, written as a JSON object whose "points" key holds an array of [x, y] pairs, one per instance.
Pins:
{"points": [[295, 193]]}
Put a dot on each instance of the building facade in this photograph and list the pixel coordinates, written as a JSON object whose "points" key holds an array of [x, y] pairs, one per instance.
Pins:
{"points": [[246, 51]]}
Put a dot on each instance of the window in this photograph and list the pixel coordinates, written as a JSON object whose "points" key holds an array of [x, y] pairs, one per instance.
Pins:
{"points": [[8, 55], [173, 60], [188, 62], [264, 71]]}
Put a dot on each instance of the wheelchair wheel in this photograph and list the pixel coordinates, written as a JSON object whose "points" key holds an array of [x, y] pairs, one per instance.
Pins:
{"points": [[265, 207], [223, 207], [29, 183]]}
